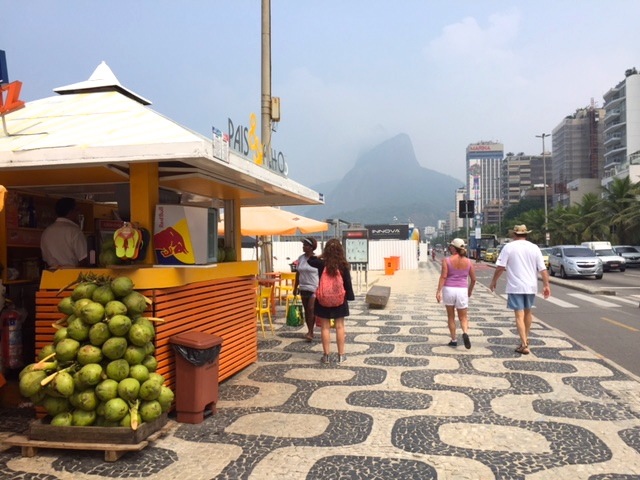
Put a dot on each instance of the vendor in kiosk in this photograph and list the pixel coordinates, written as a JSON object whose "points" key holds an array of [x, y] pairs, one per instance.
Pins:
{"points": [[63, 244]]}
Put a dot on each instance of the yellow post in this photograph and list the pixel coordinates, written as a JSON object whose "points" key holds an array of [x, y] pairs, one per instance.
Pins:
{"points": [[144, 196]]}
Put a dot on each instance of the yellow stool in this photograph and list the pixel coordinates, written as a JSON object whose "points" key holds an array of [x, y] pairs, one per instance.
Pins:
{"points": [[264, 306]]}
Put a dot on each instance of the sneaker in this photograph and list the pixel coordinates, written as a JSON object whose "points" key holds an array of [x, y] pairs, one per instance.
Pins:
{"points": [[324, 359], [453, 343], [342, 358], [467, 342]]}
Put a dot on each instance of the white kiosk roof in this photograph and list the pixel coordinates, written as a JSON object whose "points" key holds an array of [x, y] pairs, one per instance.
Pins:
{"points": [[87, 136]]}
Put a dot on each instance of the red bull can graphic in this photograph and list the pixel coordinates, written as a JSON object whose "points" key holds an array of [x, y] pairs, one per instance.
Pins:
{"points": [[181, 235]]}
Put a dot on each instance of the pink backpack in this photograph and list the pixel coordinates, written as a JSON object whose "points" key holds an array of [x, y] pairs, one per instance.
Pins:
{"points": [[330, 292]]}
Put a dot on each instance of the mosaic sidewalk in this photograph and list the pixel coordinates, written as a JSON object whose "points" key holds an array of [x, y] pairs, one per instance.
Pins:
{"points": [[403, 406]]}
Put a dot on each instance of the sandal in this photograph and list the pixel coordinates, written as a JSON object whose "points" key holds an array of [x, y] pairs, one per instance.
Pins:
{"points": [[523, 349], [308, 338]]}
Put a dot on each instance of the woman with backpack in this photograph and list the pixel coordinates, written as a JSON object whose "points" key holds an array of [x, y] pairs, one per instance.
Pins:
{"points": [[334, 290]]}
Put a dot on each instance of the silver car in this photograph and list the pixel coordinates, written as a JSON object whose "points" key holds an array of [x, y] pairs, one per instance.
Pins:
{"points": [[574, 261], [629, 253]]}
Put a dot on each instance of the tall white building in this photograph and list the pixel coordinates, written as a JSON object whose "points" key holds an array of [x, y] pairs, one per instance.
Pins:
{"points": [[622, 130], [484, 164]]}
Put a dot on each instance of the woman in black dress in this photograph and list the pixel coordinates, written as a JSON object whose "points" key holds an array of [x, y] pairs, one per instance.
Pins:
{"points": [[331, 261]]}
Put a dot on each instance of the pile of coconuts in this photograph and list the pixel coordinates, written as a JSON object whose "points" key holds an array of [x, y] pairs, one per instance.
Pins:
{"points": [[100, 369]]}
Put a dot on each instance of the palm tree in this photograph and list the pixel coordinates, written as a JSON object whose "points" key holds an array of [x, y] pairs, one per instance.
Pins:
{"points": [[619, 206]]}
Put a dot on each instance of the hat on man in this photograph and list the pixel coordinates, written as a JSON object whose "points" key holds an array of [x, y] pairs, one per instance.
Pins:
{"points": [[311, 242], [521, 230], [458, 243]]}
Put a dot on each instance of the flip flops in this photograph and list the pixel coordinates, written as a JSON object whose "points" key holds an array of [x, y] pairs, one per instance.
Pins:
{"points": [[127, 241]]}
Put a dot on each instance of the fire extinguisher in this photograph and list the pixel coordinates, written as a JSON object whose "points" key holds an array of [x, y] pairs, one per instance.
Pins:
{"points": [[11, 320]]}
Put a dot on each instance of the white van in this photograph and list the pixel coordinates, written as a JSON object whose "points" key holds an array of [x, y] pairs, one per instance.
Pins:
{"points": [[610, 260]]}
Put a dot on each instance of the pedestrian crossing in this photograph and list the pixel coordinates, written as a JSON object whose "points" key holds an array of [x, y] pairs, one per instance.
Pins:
{"points": [[602, 301]]}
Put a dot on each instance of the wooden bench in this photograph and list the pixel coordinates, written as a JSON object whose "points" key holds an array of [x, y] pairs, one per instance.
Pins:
{"points": [[378, 296]]}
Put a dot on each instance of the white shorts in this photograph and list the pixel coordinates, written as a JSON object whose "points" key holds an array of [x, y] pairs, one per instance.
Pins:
{"points": [[455, 297]]}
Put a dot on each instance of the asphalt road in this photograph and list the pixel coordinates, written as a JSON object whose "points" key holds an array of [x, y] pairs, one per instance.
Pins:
{"points": [[603, 315]]}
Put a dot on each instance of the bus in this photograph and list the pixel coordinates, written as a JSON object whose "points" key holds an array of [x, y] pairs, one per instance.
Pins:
{"points": [[487, 240]]}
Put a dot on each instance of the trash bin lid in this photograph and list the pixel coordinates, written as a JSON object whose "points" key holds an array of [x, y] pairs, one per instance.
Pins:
{"points": [[199, 340]]}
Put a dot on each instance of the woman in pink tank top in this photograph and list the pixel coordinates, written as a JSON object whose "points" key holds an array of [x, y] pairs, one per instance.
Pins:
{"points": [[457, 279]]}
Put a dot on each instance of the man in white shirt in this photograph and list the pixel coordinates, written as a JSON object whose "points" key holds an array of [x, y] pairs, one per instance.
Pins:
{"points": [[63, 244], [522, 260]]}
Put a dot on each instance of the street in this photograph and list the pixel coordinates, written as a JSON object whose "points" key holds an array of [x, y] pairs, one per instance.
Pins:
{"points": [[609, 325]]}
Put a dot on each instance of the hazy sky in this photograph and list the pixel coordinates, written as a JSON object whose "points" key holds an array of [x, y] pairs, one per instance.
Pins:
{"points": [[350, 73]]}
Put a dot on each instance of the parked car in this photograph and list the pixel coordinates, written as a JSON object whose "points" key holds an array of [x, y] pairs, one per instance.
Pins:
{"points": [[546, 253], [610, 260], [491, 255], [629, 253], [574, 261]]}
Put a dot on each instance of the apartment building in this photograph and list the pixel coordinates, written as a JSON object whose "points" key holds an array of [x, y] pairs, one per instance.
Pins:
{"points": [[484, 161]]}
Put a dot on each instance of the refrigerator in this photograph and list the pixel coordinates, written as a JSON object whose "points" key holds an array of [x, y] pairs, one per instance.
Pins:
{"points": [[185, 235]]}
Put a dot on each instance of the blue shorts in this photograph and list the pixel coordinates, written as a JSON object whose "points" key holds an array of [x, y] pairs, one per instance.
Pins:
{"points": [[520, 301]]}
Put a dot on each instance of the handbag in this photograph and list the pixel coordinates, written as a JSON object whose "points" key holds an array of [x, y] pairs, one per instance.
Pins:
{"points": [[295, 313]]}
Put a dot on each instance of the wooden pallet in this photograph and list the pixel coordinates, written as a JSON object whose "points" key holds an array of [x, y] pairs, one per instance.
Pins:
{"points": [[112, 451]]}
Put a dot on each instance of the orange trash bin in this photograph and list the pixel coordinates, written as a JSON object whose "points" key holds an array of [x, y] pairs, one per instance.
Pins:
{"points": [[396, 262], [389, 268], [197, 363]]}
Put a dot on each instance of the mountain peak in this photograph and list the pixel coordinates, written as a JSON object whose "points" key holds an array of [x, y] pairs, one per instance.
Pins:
{"points": [[397, 151]]}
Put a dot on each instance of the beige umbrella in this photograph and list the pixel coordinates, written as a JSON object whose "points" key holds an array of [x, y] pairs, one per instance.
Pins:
{"points": [[255, 221], [266, 221]]}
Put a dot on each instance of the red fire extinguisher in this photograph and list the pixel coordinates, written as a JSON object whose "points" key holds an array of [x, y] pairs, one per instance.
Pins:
{"points": [[11, 320]]}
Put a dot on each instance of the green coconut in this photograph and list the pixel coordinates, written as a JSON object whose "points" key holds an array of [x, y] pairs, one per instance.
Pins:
{"points": [[139, 372], [29, 384], [103, 295], [150, 362], [99, 333], [134, 354], [66, 306], [64, 419], [114, 347], [156, 377], [55, 405], [128, 389], [139, 334], [119, 325], [149, 411], [46, 351], [89, 354], [78, 330], [67, 349], [90, 374], [115, 409], [87, 400], [147, 323], [83, 290], [135, 302], [150, 390], [115, 307], [92, 312], [107, 389], [77, 306], [121, 286], [60, 335], [83, 418], [62, 384], [165, 399], [117, 370]]}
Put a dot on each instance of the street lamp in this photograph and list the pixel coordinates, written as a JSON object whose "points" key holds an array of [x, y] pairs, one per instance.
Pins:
{"points": [[544, 175]]}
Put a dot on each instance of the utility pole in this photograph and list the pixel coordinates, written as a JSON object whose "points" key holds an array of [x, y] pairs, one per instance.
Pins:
{"points": [[267, 255], [544, 175]]}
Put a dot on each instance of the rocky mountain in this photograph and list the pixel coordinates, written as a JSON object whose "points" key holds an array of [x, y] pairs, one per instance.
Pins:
{"points": [[388, 185]]}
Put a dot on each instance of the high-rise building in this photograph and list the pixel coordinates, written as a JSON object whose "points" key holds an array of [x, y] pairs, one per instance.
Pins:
{"points": [[484, 161], [520, 174], [622, 129], [578, 154]]}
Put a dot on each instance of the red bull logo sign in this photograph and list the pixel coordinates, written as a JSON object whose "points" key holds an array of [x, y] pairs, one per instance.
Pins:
{"points": [[173, 242]]}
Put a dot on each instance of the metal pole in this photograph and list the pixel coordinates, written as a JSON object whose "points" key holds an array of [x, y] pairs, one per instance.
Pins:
{"points": [[266, 112], [544, 175]]}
